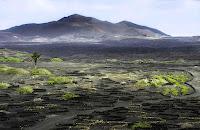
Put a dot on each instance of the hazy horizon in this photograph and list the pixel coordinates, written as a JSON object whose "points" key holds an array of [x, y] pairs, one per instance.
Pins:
{"points": [[173, 17]]}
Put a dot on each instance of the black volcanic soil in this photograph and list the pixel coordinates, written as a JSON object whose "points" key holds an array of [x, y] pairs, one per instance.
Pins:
{"points": [[103, 103], [123, 50]]}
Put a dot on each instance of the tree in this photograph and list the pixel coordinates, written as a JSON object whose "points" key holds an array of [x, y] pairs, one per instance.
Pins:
{"points": [[35, 56]]}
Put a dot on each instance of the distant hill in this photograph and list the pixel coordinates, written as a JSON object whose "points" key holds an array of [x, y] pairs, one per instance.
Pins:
{"points": [[77, 28], [8, 36]]}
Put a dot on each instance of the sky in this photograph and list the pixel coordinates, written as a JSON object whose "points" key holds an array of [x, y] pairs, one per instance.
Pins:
{"points": [[174, 17]]}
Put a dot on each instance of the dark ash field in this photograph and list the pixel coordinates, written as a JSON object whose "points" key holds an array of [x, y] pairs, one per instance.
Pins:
{"points": [[100, 87]]}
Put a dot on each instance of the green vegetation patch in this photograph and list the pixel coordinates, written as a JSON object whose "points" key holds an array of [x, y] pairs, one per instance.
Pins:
{"points": [[174, 91], [120, 77], [11, 59], [69, 95], [140, 125], [154, 81], [142, 83], [158, 81], [56, 60], [19, 71], [176, 78], [166, 91], [176, 81], [184, 89], [4, 85], [11, 70], [60, 80], [182, 78], [25, 90], [40, 72]]}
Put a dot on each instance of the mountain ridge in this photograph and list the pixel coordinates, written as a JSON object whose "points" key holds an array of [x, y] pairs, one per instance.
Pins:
{"points": [[82, 29]]}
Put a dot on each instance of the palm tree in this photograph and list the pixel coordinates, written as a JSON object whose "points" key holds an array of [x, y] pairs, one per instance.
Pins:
{"points": [[35, 56]]}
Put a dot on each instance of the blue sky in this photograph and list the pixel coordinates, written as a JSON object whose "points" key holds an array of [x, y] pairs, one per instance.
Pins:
{"points": [[174, 17]]}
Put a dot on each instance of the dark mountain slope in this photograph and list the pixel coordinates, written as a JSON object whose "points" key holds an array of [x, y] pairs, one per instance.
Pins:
{"points": [[81, 28]]}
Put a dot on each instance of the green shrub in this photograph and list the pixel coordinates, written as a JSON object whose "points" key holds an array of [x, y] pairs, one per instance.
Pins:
{"points": [[174, 91], [56, 60], [141, 125], [19, 71], [142, 83], [40, 72], [25, 90], [166, 91], [60, 80], [158, 81], [184, 89], [155, 81], [4, 85], [4, 68], [11, 70], [69, 95], [182, 78], [170, 79], [10, 59], [177, 78]]}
